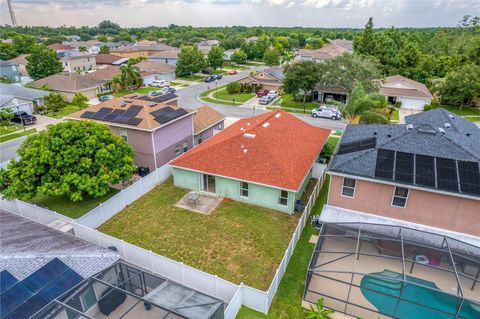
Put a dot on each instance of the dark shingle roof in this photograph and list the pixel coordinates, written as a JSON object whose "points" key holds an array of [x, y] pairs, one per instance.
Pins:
{"points": [[437, 133]]}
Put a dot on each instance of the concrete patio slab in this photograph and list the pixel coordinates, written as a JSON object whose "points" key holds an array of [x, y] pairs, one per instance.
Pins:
{"points": [[205, 204]]}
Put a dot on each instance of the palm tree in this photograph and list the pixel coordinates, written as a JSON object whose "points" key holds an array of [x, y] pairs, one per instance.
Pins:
{"points": [[130, 76], [320, 313]]}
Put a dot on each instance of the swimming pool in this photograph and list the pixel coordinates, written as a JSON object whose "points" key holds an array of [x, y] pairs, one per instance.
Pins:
{"points": [[382, 289]]}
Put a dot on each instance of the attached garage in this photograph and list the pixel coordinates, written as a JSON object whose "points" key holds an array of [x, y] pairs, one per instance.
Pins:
{"points": [[413, 95], [413, 103]]}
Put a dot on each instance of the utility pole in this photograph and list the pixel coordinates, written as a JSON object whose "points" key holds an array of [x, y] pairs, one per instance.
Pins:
{"points": [[12, 14]]}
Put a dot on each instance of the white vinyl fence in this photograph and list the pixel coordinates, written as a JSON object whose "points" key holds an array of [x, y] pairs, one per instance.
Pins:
{"points": [[234, 295]]}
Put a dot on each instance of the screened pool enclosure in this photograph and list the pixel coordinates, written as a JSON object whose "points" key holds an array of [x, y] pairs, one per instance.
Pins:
{"points": [[124, 291], [382, 271]]}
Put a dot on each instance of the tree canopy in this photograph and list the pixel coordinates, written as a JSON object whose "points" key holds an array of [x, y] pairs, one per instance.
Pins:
{"points": [[43, 62], [301, 77], [72, 159], [215, 57], [190, 60]]}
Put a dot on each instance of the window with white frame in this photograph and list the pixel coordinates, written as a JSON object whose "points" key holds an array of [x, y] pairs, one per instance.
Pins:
{"points": [[185, 147], [400, 196], [124, 134], [177, 150], [243, 189], [283, 199], [348, 188]]}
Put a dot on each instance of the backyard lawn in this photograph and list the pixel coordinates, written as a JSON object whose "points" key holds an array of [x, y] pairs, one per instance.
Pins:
{"points": [[194, 77], [9, 129], [471, 114], [67, 110], [237, 242], [66, 207], [288, 299], [140, 90], [239, 97]]}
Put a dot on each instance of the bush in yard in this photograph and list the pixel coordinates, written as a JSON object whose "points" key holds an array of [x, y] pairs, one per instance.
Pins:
{"points": [[80, 100], [234, 87], [239, 57], [72, 159], [54, 102], [371, 117], [398, 104], [428, 107]]}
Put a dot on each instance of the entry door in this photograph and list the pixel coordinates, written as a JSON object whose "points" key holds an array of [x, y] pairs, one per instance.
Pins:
{"points": [[207, 183], [315, 95]]}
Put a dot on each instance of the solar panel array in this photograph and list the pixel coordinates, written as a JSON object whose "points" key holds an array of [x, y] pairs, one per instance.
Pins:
{"points": [[435, 172], [158, 99], [107, 114], [21, 299], [356, 146], [167, 114]]}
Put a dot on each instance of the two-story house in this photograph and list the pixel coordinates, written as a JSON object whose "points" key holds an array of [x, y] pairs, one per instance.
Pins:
{"points": [[422, 174], [156, 127], [74, 61]]}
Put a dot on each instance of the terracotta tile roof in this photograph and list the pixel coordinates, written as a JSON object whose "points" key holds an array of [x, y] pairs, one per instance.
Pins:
{"points": [[416, 89], [60, 47], [105, 74], [148, 120], [153, 67], [274, 148], [68, 82], [205, 118], [106, 58]]}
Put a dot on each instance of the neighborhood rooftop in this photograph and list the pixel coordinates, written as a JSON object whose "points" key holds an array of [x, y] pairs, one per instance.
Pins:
{"points": [[274, 148], [410, 87], [205, 118], [434, 149], [68, 82], [10, 91], [135, 111]]}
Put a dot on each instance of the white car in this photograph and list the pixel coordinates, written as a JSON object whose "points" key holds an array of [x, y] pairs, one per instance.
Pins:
{"points": [[273, 94], [159, 83], [264, 100], [328, 112]]}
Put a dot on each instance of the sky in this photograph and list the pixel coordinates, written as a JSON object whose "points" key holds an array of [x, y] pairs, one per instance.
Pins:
{"points": [[306, 13]]}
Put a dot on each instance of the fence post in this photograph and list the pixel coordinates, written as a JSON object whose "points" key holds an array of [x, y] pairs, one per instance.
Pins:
{"points": [[151, 260], [215, 285], [183, 272], [266, 302]]}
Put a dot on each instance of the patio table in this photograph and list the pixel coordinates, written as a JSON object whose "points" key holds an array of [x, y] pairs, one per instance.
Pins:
{"points": [[192, 199]]}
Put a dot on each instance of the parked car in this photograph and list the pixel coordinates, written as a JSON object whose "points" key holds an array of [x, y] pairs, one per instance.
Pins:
{"points": [[218, 76], [171, 90], [262, 92], [273, 94], [210, 78], [154, 93], [206, 71], [233, 72], [22, 117], [104, 98], [166, 90], [265, 100], [327, 111], [159, 83]]}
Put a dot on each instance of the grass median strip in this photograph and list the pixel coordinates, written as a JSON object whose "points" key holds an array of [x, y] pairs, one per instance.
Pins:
{"points": [[13, 136]]}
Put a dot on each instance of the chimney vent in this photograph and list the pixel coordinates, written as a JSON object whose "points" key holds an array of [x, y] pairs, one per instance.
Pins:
{"points": [[249, 135], [441, 130], [265, 125], [447, 125], [409, 127]]}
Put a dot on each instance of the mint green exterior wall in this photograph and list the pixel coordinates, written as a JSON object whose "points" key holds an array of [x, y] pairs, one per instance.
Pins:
{"points": [[258, 195], [304, 185]]}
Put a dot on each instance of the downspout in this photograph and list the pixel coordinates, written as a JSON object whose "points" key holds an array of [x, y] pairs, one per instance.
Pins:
{"points": [[154, 152]]}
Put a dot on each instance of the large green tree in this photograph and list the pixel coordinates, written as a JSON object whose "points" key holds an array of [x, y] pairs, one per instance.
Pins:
{"points": [[300, 78], [239, 57], [271, 57], [215, 57], [461, 86], [7, 51], [130, 75], [347, 69], [190, 60], [104, 49], [72, 159], [23, 43], [43, 62], [54, 102]]}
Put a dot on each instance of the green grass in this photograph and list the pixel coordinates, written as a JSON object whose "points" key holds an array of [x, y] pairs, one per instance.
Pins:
{"points": [[67, 110], [178, 84], [65, 206], [9, 129], [237, 241], [465, 111], [395, 115], [13, 136], [239, 97], [195, 77], [141, 90], [286, 101], [288, 299], [234, 67]]}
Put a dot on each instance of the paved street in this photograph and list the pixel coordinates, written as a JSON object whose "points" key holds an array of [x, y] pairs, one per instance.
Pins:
{"points": [[189, 98], [8, 149]]}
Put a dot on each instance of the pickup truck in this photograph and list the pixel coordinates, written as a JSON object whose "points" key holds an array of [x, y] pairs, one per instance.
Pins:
{"points": [[23, 118]]}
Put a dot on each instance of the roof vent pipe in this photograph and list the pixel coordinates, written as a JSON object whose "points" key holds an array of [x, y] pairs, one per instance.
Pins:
{"points": [[441, 130], [249, 135], [409, 127], [447, 125]]}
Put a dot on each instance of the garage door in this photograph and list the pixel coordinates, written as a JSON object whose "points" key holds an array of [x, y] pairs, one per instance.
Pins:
{"points": [[414, 104]]}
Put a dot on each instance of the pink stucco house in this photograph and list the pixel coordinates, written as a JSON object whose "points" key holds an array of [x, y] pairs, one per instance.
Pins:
{"points": [[156, 127], [424, 173]]}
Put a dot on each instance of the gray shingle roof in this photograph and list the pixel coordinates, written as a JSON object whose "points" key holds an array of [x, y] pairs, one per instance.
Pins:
{"points": [[27, 246], [9, 91], [461, 141]]}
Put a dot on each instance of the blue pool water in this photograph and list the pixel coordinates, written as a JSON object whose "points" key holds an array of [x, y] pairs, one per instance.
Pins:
{"points": [[387, 282]]}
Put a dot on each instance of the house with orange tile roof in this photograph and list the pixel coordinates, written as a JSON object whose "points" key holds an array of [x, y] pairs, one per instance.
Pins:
{"points": [[266, 160]]}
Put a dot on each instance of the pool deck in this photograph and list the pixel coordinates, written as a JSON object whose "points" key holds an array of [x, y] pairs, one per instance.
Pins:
{"points": [[369, 264]]}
